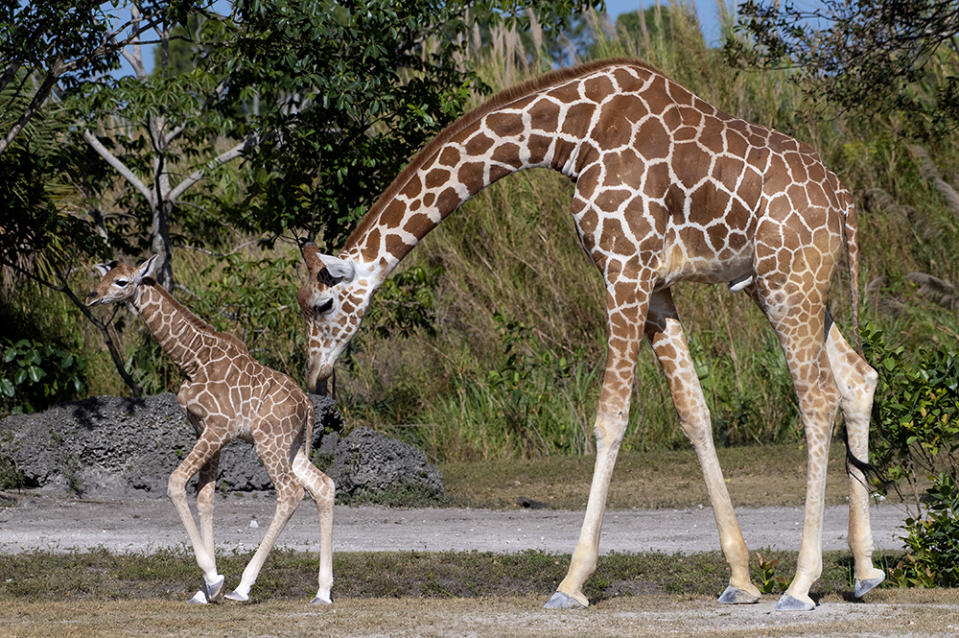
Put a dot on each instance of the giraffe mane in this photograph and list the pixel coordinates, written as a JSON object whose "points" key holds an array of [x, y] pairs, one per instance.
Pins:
{"points": [[497, 101]]}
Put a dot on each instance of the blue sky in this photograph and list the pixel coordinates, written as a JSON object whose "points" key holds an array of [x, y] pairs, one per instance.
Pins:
{"points": [[707, 10]]}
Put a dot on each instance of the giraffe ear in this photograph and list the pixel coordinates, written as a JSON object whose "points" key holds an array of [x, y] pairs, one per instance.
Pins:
{"points": [[146, 269], [341, 269], [103, 269]]}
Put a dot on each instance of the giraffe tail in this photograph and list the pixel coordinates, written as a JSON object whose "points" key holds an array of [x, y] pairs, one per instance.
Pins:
{"points": [[308, 428], [850, 236]]}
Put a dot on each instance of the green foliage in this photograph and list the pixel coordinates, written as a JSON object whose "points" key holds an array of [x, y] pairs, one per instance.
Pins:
{"points": [[355, 91], [915, 443], [883, 56], [34, 375], [932, 541], [764, 573]]}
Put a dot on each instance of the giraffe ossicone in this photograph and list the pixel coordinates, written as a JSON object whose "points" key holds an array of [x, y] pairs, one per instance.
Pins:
{"points": [[227, 394], [667, 188]]}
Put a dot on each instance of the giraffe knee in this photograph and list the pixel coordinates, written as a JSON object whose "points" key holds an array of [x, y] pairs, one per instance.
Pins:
{"points": [[176, 486]]}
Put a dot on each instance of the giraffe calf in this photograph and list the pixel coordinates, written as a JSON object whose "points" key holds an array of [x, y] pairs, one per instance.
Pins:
{"points": [[228, 394]]}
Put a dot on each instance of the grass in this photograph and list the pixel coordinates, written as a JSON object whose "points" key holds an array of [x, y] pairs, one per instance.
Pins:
{"points": [[289, 575], [755, 475]]}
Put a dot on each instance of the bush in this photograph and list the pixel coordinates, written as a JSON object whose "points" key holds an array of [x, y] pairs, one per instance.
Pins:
{"points": [[35, 375], [915, 444]]}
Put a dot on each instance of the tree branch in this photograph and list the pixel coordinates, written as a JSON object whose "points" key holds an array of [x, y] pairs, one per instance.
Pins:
{"points": [[221, 159], [120, 167]]}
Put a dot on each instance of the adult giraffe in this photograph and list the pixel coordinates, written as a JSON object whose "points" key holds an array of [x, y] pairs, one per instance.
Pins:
{"points": [[668, 188]]}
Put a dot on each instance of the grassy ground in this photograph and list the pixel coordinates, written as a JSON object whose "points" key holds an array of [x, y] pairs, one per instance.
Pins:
{"points": [[290, 575], [756, 476]]}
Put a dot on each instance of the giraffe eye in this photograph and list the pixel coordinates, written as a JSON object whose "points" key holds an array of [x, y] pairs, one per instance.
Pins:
{"points": [[121, 283], [324, 306]]}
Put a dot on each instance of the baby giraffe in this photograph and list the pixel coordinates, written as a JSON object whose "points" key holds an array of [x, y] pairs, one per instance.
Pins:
{"points": [[228, 394]]}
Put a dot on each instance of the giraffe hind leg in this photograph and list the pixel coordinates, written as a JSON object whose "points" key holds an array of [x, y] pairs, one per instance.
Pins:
{"points": [[321, 489], [289, 493], [857, 384], [799, 319]]}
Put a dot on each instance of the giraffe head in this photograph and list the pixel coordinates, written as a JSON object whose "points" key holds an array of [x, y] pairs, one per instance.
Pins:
{"points": [[119, 281], [332, 302]]}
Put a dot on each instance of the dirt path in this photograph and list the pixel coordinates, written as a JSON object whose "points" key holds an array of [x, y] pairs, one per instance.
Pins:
{"points": [[146, 524]]}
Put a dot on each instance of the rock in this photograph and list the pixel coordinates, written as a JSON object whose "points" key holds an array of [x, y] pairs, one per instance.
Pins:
{"points": [[111, 445], [369, 467]]}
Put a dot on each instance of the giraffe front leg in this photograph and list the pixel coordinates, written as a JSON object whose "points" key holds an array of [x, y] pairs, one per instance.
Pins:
{"points": [[857, 384], [203, 450], [206, 493], [612, 416], [665, 333]]}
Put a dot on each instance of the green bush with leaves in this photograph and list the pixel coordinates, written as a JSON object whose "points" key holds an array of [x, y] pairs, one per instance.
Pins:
{"points": [[35, 375], [914, 446]]}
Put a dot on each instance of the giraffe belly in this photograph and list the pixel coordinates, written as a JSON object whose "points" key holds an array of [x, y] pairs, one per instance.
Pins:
{"points": [[678, 264]]}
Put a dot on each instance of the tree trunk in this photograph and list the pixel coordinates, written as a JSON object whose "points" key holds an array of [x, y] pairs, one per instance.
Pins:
{"points": [[160, 236]]}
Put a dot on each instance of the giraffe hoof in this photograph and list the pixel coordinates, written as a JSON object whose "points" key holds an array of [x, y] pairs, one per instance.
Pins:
{"points": [[559, 600], [199, 598], [213, 592], [237, 597], [864, 585], [737, 596], [788, 603]]}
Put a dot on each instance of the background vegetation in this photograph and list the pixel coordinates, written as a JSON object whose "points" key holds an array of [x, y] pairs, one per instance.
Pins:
{"points": [[488, 342], [252, 132]]}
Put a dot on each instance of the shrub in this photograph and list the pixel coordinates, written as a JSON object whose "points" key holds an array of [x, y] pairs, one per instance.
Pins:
{"points": [[35, 375], [915, 444]]}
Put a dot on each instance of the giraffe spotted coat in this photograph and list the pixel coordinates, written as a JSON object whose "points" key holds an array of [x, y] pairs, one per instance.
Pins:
{"points": [[667, 189]]}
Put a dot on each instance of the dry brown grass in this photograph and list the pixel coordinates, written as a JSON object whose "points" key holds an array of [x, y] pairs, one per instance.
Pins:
{"points": [[756, 475], [889, 613]]}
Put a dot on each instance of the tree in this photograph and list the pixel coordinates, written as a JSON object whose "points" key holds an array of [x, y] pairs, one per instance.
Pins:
{"points": [[49, 46], [353, 90], [162, 132], [878, 55]]}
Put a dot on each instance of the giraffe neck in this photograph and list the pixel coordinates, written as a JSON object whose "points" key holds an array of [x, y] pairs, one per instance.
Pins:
{"points": [[541, 125], [178, 330]]}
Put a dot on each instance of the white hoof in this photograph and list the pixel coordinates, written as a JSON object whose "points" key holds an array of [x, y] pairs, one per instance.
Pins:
{"points": [[237, 597], [199, 598], [320, 600], [789, 603], [213, 592], [736, 596], [864, 585], [559, 600]]}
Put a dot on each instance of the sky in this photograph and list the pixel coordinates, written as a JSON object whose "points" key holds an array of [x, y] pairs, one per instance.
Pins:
{"points": [[706, 10]]}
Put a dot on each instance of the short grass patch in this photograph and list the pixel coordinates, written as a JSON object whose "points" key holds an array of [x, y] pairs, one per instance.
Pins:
{"points": [[290, 575], [756, 476]]}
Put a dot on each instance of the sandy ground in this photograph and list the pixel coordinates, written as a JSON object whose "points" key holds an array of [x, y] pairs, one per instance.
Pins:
{"points": [[146, 524]]}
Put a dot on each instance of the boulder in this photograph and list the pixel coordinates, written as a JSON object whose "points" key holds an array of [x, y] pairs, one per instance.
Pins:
{"points": [[369, 467], [113, 446]]}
